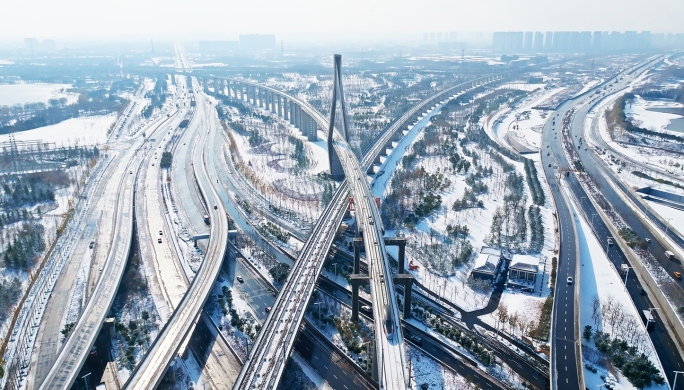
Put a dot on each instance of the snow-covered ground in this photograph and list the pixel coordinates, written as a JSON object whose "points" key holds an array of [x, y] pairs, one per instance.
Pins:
{"points": [[91, 130], [11, 94], [524, 122], [426, 370], [454, 287], [674, 217], [642, 115], [599, 279]]}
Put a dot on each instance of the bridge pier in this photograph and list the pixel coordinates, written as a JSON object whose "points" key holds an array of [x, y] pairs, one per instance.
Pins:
{"points": [[406, 280], [401, 243], [358, 244], [357, 280]]}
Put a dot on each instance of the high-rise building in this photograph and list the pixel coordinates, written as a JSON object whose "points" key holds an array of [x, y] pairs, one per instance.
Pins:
{"points": [[538, 41], [499, 43], [574, 46], [585, 41], [597, 41], [31, 44], [548, 41], [561, 41], [426, 37], [452, 36], [527, 44], [257, 42]]}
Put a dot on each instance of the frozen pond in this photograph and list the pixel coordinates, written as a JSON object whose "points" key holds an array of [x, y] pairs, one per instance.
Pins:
{"points": [[11, 94]]}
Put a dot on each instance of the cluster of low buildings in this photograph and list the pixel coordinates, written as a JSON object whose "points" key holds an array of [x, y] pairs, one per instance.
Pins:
{"points": [[523, 270]]}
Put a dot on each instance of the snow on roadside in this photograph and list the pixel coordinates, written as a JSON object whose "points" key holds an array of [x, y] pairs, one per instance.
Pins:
{"points": [[599, 278], [426, 370]]}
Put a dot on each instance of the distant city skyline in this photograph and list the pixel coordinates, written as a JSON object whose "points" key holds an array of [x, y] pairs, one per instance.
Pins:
{"points": [[382, 19]]}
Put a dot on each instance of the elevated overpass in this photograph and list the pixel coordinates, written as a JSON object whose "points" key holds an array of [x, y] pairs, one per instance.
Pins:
{"points": [[151, 369], [267, 359], [77, 346], [285, 324]]}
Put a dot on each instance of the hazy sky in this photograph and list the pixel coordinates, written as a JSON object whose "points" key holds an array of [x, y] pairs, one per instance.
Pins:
{"points": [[203, 19]]}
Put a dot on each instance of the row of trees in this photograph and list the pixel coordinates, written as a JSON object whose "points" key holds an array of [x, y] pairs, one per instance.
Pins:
{"points": [[635, 365], [25, 247], [10, 289], [509, 227], [536, 229], [533, 183], [157, 97], [31, 189]]}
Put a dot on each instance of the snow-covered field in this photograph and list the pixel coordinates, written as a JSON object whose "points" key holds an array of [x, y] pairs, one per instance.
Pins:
{"points": [[91, 130], [599, 279], [454, 287], [524, 122], [11, 94], [426, 370], [640, 111]]}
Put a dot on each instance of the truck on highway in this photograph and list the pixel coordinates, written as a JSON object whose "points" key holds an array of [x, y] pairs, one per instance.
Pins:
{"points": [[669, 255]]}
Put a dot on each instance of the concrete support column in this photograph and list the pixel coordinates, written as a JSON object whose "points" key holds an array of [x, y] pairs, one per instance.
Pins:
{"points": [[313, 131], [280, 105], [307, 123], [264, 99], [290, 111], [358, 244], [407, 282], [356, 281], [408, 287], [298, 117], [401, 243]]}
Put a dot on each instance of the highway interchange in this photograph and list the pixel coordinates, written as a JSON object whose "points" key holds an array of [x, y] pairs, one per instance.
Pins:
{"points": [[204, 182]]}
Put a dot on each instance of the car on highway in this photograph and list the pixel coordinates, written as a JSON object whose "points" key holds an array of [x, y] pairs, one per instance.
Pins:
{"points": [[215, 207], [239, 279], [91, 245], [366, 309], [610, 242], [416, 340], [267, 309], [159, 240], [161, 233], [648, 240], [569, 279], [677, 275]]}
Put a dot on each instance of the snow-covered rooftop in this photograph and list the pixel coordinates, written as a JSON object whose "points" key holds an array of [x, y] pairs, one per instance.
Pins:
{"points": [[525, 263], [488, 260]]}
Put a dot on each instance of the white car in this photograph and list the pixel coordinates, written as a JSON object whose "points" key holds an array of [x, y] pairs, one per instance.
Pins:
{"points": [[569, 279]]}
